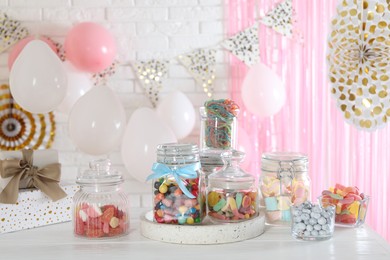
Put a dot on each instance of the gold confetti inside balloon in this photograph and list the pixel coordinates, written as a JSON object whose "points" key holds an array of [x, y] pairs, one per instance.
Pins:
{"points": [[21, 129], [359, 65]]}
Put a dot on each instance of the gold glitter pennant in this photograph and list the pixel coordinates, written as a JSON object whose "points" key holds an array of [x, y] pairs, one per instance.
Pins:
{"points": [[201, 64], [101, 78], [11, 31], [21, 129], [281, 18], [151, 74], [245, 45], [359, 62]]}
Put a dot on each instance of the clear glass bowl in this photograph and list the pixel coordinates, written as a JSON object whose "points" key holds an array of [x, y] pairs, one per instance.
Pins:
{"points": [[349, 212], [312, 222]]}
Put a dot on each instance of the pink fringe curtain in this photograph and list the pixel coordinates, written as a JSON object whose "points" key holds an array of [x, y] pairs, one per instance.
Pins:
{"points": [[309, 121]]}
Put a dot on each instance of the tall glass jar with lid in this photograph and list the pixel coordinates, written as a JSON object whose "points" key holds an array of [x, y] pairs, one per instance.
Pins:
{"points": [[284, 182], [232, 194], [178, 185], [101, 208]]}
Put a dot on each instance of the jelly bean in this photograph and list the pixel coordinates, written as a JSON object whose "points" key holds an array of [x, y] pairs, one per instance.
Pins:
{"points": [[157, 185], [183, 209], [167, 202], [190, 220], [163, 188], [182, 220]]}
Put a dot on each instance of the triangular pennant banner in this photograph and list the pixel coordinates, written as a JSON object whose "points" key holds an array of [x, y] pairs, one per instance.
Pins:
{"points": [[245, 45], [201, 64], [11, 32], [281, 18], [150, 74], [101, 78]]}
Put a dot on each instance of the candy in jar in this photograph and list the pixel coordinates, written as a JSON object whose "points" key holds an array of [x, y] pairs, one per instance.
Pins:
{"points": [[218, 124], [284, 182], [101, 208], [232, 194], [178, 185]]}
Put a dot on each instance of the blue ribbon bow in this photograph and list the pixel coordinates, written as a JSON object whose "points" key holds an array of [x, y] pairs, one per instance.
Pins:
{"points": [[187, 172]]}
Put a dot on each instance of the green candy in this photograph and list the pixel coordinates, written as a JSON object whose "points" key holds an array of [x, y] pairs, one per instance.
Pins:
{"points": [[219, 205], [238, 199], [336, 196]]}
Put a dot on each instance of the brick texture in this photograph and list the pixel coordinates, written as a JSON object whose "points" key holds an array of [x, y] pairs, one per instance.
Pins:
{"points": [[143, 29]]}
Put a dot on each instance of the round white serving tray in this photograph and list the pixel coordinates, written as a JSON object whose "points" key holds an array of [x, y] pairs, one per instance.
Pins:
{"points": [[206, 233]]}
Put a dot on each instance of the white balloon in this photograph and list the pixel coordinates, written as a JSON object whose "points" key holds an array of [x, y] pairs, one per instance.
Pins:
{"points": [[97, 121], [79, 83], [177, 111], [262, 91], [38, 79], [144, 131]]}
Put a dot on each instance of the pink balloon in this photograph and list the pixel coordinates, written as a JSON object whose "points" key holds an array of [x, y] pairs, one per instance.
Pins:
{"points": [[22, 43], [90, 47]]}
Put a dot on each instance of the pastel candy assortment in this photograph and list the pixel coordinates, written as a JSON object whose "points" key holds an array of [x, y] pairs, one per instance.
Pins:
{"points": [[279, 196], [235, 206], [171, 206], [312, 222], [94, 221], [351, 205]]}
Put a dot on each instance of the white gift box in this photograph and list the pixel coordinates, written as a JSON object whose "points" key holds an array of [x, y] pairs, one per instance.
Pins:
{"points": [[35, 209]]}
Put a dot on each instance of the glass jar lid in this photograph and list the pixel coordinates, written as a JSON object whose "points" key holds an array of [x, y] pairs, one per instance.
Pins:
{"points": [[174, 153], [99, 172], [232, 176], [291, 161]]}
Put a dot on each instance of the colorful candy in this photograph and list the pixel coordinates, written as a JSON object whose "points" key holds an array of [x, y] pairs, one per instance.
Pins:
{"points": [[280, 195], [312, 222], [171, 206], [232, 206], [219, 125], [94, 221], [351, 205]]}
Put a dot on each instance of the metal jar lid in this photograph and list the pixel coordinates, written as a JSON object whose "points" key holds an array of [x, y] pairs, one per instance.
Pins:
{"points": [[277, 161]]}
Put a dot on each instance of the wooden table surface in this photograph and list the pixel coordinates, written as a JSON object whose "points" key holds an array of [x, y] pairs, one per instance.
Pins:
{"points": [[58, 242]]}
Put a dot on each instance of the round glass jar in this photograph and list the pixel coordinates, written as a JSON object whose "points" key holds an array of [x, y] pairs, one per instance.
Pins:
{"points": [[284, 182], [101, 208], [219, 125], [232, 194], [178, 185]]}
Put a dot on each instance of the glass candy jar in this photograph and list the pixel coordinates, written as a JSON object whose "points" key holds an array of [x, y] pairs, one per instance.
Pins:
{"points": [[218, 124], [178, 185], [211, 162], [284, 182], [100, 206], [232, 194]]}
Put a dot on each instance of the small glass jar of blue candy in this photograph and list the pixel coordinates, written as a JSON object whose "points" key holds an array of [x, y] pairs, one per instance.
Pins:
{"points": [[284, 182], [178, 185], [232, 194]]}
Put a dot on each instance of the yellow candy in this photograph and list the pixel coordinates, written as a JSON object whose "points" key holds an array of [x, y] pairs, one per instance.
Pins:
{"points": [[190, 220], [338, 208], [213, 198], [284, 203], [163, 188], [354, 208]]}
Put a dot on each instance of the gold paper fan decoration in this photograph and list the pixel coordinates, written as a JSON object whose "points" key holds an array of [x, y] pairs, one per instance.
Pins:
{"points": [[359, 62], [21, 129]]}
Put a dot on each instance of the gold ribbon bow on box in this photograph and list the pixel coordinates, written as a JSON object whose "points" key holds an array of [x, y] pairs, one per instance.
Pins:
{"points": [[45, 179]]}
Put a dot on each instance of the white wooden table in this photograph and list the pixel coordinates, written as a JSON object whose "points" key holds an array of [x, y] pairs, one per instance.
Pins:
{"points": [[57, 242]]}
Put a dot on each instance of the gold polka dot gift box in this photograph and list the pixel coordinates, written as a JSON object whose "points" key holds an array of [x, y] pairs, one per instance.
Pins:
{"points": [[30, 191]]}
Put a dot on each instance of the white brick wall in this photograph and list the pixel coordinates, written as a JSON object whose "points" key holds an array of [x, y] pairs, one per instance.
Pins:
{"points": [[143, 29]]}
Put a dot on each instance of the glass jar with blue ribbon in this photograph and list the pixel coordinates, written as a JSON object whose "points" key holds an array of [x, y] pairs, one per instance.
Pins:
{"points": [[178, 185]]}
